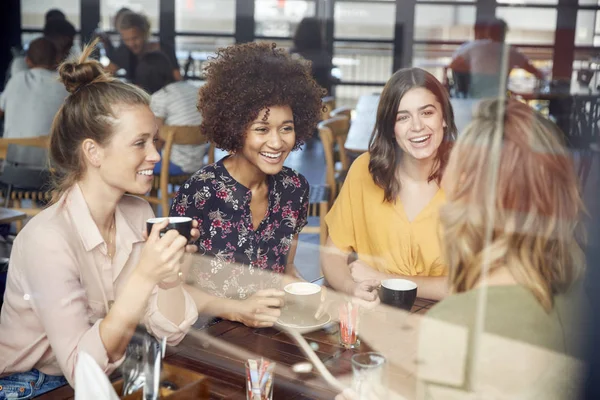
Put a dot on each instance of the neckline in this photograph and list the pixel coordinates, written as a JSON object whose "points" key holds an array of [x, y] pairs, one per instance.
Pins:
{"points": [[400, 208], [270, 187]]}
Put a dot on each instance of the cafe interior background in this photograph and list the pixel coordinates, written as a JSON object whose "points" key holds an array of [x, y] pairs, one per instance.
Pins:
{"points": [[368, 40]]}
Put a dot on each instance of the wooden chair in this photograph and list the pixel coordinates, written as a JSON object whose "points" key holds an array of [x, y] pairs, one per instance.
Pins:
{"points": [[333, 132], [25, 179], [318, 205], [342, 112], [184, 135], [329, 104]]}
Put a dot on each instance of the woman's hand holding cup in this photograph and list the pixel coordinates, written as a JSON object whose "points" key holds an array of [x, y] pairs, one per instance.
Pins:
{"points": [[161, 256]]}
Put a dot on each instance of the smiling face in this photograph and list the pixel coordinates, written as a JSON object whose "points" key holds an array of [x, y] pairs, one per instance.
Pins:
{"points": [[419, 128], [269, 139], [127, 161]]}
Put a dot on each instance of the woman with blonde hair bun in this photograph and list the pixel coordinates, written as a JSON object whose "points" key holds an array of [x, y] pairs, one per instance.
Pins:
{"points": [[84, 273]]}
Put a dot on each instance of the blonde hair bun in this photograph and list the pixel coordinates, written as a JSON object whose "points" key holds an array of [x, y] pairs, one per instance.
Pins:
{"points": [[78, 72]]}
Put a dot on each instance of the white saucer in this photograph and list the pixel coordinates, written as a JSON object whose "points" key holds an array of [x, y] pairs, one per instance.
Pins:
{"points": [[314, 324]]}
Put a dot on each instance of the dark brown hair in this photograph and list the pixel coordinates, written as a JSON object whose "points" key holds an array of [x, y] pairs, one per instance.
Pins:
{"points": [[384, 150], [42, 53], [244, 79], [89, 112]]}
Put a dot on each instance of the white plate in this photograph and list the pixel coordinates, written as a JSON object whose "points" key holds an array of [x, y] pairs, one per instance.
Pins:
{"points": [[317, 323]]}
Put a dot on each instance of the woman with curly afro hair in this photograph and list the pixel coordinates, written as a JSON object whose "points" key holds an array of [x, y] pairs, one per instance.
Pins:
{"points": [[258, 104]]}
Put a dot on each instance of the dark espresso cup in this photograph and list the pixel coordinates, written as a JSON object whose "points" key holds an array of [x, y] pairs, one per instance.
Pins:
{"points": [[183, 225], [400, 293]]}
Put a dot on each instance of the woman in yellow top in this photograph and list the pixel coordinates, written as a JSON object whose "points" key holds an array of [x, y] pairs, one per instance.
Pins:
{"points": [[387, 210]]}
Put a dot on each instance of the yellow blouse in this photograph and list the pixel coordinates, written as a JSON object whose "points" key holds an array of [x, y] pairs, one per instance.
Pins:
{"points": [[379, 231]]}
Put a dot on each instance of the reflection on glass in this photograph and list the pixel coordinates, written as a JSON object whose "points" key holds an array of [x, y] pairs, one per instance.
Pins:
{"points": [[437, 22], [193, 52], [347, 96], [109, 8], [364, 20], [529, 25], [363, 62], [205, 16], [280, 18], [33, 12]]}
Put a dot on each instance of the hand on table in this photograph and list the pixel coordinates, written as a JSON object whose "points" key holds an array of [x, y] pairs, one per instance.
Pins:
{"points": [[261, 310]]}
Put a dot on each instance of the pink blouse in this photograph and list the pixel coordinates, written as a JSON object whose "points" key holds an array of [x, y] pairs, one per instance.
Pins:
{"points": [[61, 283]]}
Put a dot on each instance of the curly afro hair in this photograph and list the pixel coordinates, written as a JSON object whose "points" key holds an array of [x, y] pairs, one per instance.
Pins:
{"points": [[244, 79]]}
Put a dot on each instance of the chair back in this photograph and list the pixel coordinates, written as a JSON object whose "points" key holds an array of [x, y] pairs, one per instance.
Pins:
{"points": [[334, 132], [171, 134], [342, 112], [329, 105], [33, 150]]}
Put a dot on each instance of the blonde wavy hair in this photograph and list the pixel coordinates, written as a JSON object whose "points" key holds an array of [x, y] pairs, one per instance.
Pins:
{"points": [[537, 233]]}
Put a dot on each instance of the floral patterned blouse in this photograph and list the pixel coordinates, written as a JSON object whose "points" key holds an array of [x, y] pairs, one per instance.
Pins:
{"points": [[241, 260]]}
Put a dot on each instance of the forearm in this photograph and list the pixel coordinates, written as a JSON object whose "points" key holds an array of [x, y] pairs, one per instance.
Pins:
{"points": [[213, 305], [117, 328], [334, 264], [171, 304]]}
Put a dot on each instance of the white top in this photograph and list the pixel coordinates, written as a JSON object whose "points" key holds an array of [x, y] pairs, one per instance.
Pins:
{"points": [[363, 123], [176, 104], [484, 59], [30, 101]]}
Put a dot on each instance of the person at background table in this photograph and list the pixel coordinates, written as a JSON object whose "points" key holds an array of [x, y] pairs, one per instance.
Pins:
{"points": [[479, 62], [61, 33], [82, 273], [387, 210], [174, 104], [134, 29], [250, 207], [309, 45], [32, 98], [109, 48]]}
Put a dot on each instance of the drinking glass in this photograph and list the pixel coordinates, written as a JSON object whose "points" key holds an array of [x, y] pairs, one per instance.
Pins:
{"points": [[368, 375], [349, 325], [262, 391]]}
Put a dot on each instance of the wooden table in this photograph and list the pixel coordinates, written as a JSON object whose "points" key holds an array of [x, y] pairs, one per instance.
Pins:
{"points": [[7, 215], [227, 373]]}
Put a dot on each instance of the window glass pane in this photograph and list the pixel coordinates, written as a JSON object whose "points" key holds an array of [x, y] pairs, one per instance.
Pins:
{"points": [[584, 29], [281, 43], [347, 96], [28, 37], [363, 62], [433, 57], [589, 2], [280, 18], [33, 12], [193, 52], [364, 20], [108, 9], [205, 16], [527, 2], [438, 22], [529, 25]]}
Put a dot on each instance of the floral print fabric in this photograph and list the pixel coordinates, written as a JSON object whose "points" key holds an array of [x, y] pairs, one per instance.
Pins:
{"points": [[241, 260]]}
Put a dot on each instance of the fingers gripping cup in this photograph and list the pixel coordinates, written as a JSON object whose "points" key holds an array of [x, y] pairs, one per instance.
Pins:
{"points": [[183, 225]]}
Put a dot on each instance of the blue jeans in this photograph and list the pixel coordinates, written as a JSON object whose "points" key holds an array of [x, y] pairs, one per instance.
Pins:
{"points": [[27, 385]]}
